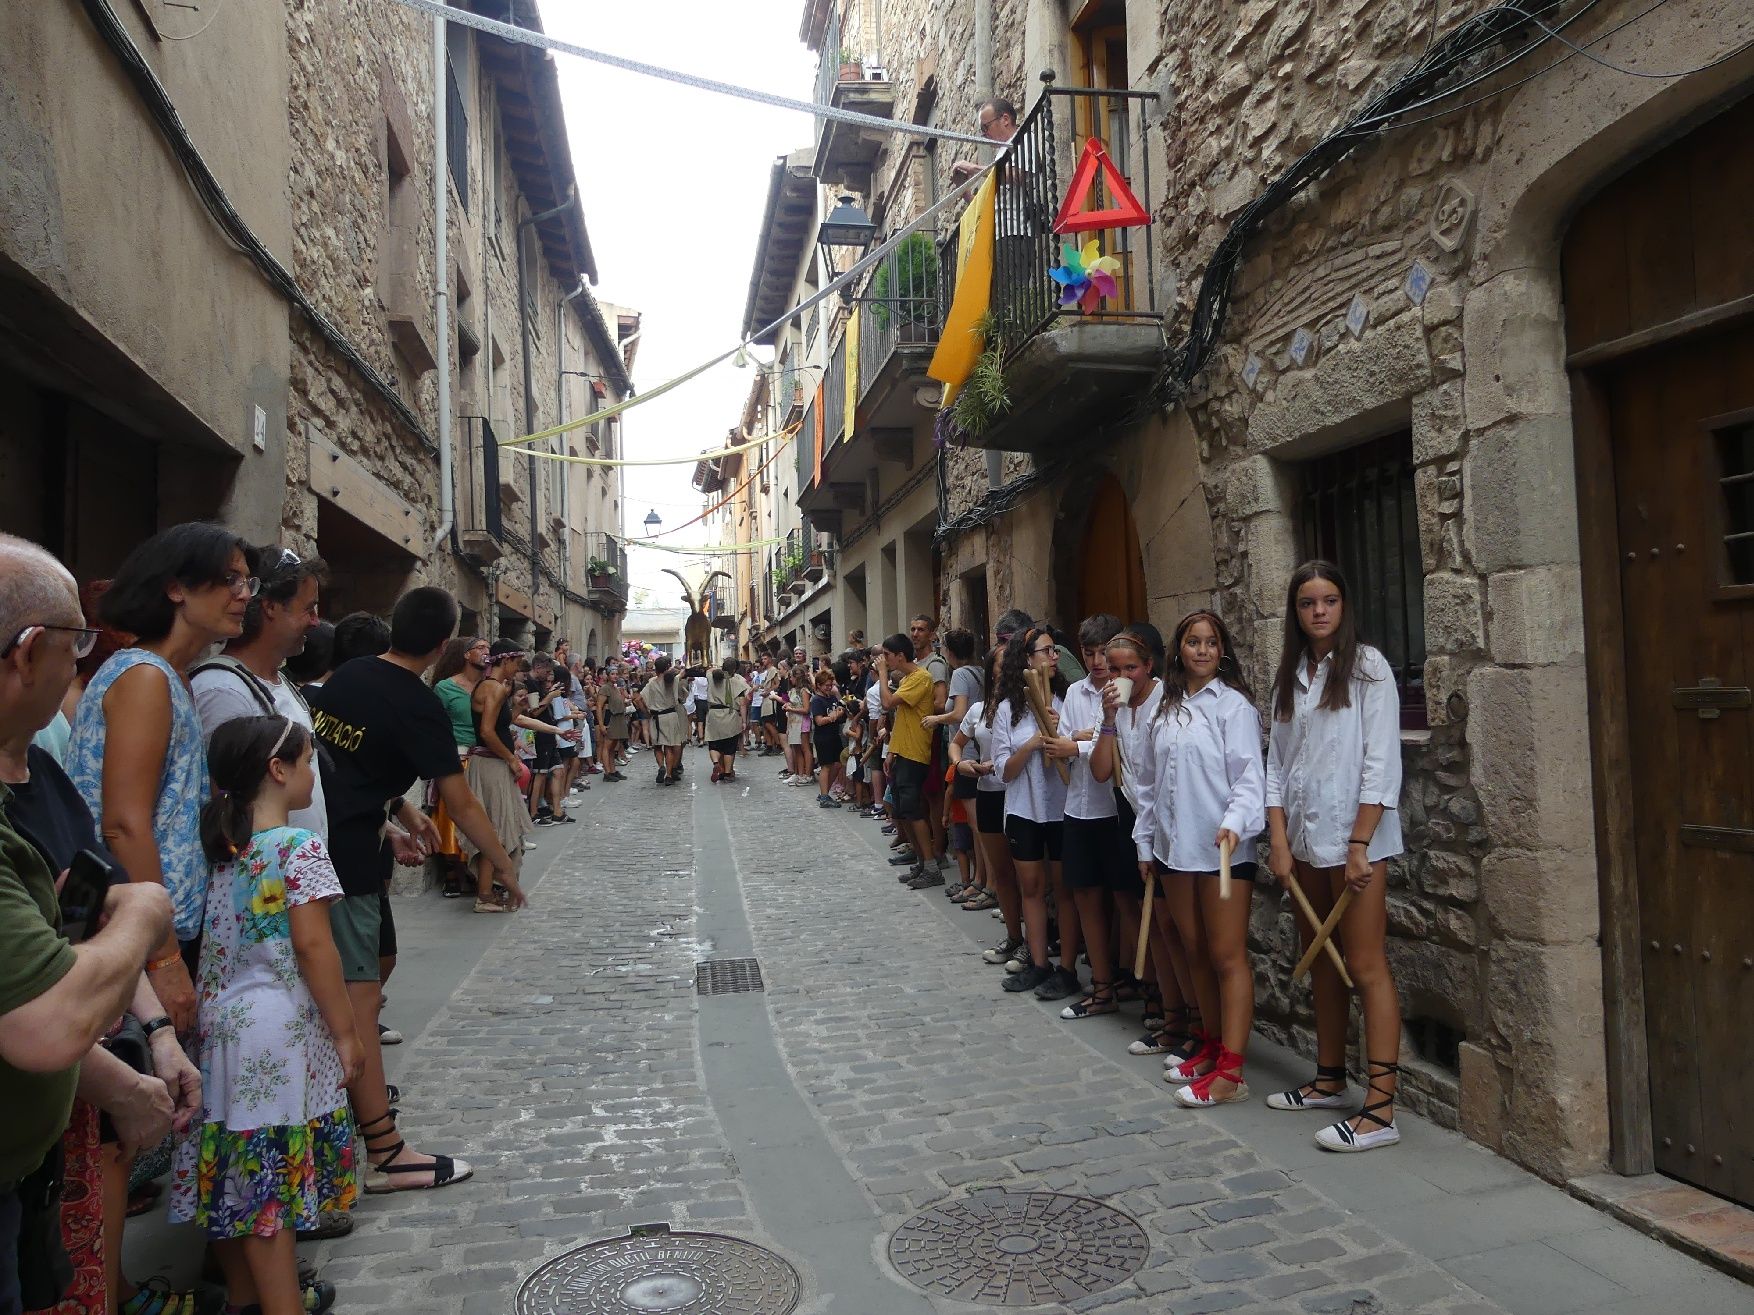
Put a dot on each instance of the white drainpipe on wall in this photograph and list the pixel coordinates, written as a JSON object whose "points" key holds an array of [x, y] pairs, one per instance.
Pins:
{"points": [[442, 301]]}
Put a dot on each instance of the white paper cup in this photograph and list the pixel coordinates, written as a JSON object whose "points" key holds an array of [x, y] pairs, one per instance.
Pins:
{"points": [[1123, 688]]}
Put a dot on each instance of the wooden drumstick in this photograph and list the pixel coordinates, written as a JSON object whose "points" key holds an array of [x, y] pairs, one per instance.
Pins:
{"points": [[1224, 870], [1323, 932], [1144, 928], [1034, 683], [1316, 926]]}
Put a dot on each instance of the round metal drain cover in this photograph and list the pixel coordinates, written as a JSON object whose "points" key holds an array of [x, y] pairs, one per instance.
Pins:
{"points": [[999, 1248], [663, 1273]]}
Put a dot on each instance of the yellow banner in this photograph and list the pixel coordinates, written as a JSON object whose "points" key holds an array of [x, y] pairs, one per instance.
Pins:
{"points": [[852, 369], [960, 346]]}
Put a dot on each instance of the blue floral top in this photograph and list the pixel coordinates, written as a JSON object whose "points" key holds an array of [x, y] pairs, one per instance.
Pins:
{"points": [[182, 789]]}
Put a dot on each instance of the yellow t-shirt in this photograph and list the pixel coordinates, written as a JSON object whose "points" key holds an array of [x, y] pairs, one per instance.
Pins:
{"points": [[910, 739]]}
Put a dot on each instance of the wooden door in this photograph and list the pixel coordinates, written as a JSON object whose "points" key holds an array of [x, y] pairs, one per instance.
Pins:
{"points": [[1111, 571], [1099, 40], [1682, 428]]}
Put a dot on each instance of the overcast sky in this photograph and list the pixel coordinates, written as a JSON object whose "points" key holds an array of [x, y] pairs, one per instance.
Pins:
{"points": [[673, 182]]}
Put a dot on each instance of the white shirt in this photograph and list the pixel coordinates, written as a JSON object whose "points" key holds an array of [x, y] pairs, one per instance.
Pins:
{"points": [[1037, 793], [1198, 770], [1321, 766], [220, 696], [1086, 797], [980, 738], [697, 689], [1129, 723], [874, 712]]}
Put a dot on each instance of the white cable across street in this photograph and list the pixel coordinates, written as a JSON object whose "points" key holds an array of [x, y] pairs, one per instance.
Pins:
{"points": [[541, 40]]}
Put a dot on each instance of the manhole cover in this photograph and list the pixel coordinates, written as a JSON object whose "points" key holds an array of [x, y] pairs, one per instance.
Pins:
{"points": [[664, 1272], [726, 976], [1001, 1248]]}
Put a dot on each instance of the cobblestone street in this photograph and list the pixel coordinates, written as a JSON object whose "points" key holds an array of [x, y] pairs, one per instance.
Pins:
{"points": [[879, 1072]]}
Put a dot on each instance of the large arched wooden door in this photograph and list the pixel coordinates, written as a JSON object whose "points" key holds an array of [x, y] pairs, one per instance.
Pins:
{"points": [[1111, 571], [1665, 420]]}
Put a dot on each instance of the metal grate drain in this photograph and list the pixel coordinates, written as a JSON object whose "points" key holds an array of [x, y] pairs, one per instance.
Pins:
{"points": [[727, 976], [998, 1248], [654, 1269]]}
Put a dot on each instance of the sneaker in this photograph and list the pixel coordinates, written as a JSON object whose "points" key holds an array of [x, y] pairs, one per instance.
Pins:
{"points": [[547, 820], [388, 1036], [529, 845], [904, 858], [785, 776], [1028, 979], [826, 802], [1019, 961], [1002, 951], [1063, 983], [924, 879], [1341, 1137]]}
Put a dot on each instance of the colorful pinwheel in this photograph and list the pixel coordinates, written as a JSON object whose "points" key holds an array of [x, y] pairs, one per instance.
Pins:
{"points": [[1086, 277]]}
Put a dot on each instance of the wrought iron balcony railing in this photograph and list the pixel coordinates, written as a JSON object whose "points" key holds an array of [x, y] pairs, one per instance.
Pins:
{"points": [[605, 569]]}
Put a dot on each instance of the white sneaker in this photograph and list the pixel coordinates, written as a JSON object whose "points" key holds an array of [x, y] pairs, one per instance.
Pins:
{"points": [[1341, 1137]]}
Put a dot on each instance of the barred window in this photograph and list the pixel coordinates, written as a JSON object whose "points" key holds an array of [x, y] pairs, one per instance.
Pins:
{"points": [[1359, 511]]}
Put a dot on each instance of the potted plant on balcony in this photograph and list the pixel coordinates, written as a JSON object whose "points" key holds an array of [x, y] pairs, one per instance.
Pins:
{"points": [[600, 574], [906, 285], [849, 65]]}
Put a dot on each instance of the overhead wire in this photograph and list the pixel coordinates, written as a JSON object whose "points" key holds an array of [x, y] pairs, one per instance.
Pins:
{"points": [[542, 41]]}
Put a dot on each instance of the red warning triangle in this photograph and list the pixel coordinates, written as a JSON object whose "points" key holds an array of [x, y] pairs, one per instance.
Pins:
{"points": [[1127, 212]]}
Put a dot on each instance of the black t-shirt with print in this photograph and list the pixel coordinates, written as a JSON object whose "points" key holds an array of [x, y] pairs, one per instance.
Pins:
{"points": [[385, 730], [822, 705]]}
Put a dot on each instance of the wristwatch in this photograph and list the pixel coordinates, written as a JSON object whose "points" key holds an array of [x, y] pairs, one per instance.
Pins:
{"points": [[155, 1025]]}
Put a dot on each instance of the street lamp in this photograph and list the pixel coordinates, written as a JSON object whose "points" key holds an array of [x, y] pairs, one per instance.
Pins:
{"points": [[652, 521], [846, 226]]}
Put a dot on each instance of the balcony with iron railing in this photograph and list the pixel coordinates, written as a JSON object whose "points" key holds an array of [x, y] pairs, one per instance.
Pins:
{"points": [[606, 571], [1070, 362], [846, 152], [719, 607]]}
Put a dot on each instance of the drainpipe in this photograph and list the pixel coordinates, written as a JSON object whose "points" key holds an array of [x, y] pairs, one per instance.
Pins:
{"points": [[530, 388], [983, 47], [442, 301], [560, 413]]}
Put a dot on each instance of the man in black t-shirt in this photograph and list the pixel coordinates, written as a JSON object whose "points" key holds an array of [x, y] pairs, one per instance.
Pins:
{"points": [[384, 730]]}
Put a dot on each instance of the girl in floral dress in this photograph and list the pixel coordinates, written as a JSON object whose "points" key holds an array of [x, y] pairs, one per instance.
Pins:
{"points": [[276, 1034]]}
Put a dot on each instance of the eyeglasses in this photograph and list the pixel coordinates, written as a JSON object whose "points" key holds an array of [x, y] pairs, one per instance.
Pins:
{"points": [[1043, 652], [84, 639], [243, 586]]}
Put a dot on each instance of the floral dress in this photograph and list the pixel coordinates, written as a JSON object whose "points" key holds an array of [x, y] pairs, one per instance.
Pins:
{"points": [[275, 1144]]}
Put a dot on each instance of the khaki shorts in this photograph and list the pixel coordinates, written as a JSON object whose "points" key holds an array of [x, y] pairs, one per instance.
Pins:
{"points": [[356, 921]]}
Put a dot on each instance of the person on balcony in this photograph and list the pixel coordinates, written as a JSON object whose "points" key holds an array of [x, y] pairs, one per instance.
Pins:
{"points": [[1018, 213]]}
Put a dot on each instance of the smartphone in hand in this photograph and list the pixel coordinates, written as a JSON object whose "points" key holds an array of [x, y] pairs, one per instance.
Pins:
{"points": [[88, 883]]}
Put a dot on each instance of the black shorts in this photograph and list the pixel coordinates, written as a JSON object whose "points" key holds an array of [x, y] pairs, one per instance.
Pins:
{"points": [[909, 783], [827, 748], [566, 749], [726, 746], [699, 712], [1094, 850], [1031, 842], [777, 717], [989, 812], [547, 757]]}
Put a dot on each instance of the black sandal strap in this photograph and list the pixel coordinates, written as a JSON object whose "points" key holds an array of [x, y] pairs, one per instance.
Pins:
{"points": [[1371, 1075], [366, 1126], [1331, 1071]]}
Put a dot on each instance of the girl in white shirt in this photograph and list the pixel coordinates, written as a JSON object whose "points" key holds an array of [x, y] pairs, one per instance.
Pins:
{"points": [[1098, 859], [1333, 787], [971, 750], [1200, 786], [1035, 797], [1134, 655]]}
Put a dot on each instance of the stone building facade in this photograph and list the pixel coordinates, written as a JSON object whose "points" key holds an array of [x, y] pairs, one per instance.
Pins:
{"points": [[267, 357], [1418, 340]]}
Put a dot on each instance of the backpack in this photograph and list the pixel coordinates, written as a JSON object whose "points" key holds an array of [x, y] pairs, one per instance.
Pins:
{"points": [[264, 697]]}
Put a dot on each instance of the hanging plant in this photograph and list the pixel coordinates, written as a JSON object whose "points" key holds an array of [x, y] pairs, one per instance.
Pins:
{"points": [[984, 398], [906, 284]]}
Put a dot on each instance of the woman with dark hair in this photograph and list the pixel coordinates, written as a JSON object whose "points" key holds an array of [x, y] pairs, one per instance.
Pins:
{"points": [[612, 720], [971, 758], [137, 755], [727, 714], [1200, 787], [1035, 796], [1333, 786], [661, 700], [493, 769]]}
